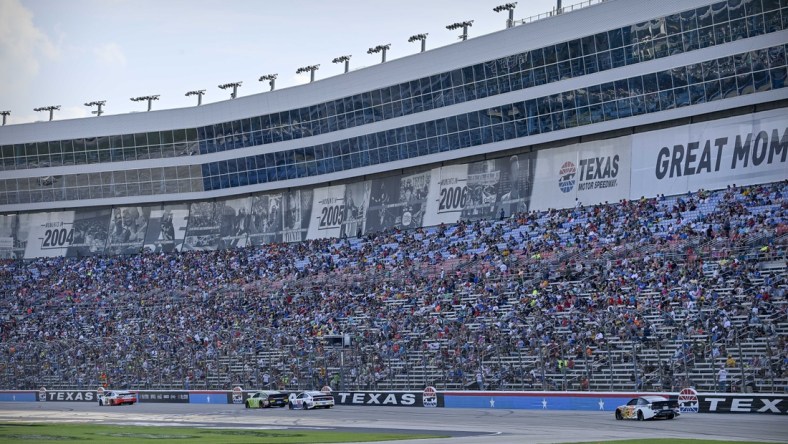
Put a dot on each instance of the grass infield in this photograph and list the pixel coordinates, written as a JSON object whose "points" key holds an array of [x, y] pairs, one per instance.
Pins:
{"points": [[95, 433]]}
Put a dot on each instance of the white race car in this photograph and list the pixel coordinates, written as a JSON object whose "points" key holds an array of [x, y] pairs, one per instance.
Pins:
{"points": [[310, 400], [116, 397], [649, 407]]}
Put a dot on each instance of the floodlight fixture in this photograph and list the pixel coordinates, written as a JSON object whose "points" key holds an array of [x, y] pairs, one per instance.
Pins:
{"points": [[199, 93], [344, 58], [507, 7], [50, 108], [422, 37], [271, 79], [234, 86], [380, 48], [464, 25], [310, 69], [150, 99], [99, 104], [5, 114]]}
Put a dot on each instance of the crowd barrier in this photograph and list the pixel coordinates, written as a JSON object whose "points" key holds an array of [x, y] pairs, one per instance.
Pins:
{"points": [[690, 401]]}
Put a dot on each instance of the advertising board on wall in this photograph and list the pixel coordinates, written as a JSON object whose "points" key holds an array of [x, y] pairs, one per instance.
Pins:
{"points": [[447, 195], [164, 397], [203, 230], [426, 398], [741, 150], [13, 236], [298, 208], [742, 403], [328, 212], [91, 232], [129, 226], [167, 228], [69, 395], [234, 222], [50, 234], [587, 173]]}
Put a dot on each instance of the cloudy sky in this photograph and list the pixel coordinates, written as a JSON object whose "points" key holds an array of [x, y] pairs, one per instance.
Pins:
{"points": [[68, 52]]}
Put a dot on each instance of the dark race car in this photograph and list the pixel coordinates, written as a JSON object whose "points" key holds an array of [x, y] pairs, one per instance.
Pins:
{"points": [[266, 398]]}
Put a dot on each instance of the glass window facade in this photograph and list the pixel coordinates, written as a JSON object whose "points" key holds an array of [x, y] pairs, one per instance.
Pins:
{"points": [[705, 81], [690, 30]]}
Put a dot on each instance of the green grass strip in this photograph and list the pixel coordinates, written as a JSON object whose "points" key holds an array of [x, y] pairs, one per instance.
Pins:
{"points": [[99, 433]]}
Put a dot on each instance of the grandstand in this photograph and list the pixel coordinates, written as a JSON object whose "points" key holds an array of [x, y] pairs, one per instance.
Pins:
{"points": [[591, 201]]}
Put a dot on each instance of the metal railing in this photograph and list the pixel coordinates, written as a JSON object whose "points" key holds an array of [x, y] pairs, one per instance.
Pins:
{"points": [[554, 12]]}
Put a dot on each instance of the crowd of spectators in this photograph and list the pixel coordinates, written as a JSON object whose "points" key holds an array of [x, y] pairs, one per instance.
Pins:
{"points": [[560, 290]]}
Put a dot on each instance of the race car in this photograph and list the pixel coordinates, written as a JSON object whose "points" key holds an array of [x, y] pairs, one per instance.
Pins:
{"points": [[116, 397], [310, 400], [266, 398], [649, 407]]}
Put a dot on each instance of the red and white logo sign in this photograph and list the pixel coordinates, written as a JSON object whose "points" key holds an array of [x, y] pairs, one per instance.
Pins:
{"points": [[238, 395], [430, 397], [688, 400]]}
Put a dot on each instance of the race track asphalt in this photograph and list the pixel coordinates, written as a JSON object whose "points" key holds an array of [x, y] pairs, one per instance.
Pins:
{"points": [[464, 426]]}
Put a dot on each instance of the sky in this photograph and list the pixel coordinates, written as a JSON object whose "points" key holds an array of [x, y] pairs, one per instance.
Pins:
{"points": [[69, 52]]}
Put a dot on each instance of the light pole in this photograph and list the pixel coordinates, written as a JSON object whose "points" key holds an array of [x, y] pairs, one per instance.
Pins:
{"points": [[50, 108], [344, 58], [310, 69], [99, 104], [234, 86], [380, 48], [271, 79], [199, 93], [422, 37], [5, 114], [507, 7], [464, 25], [150, 99]]}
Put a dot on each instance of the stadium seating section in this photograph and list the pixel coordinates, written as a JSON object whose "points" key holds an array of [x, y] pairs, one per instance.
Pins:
{"points": [[653, 294]]}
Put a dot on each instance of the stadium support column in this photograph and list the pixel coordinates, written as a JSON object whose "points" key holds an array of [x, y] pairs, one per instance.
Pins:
{"points": [[542, 364], [609, 366], [635, 365], [687, 382], [742, 378]]}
